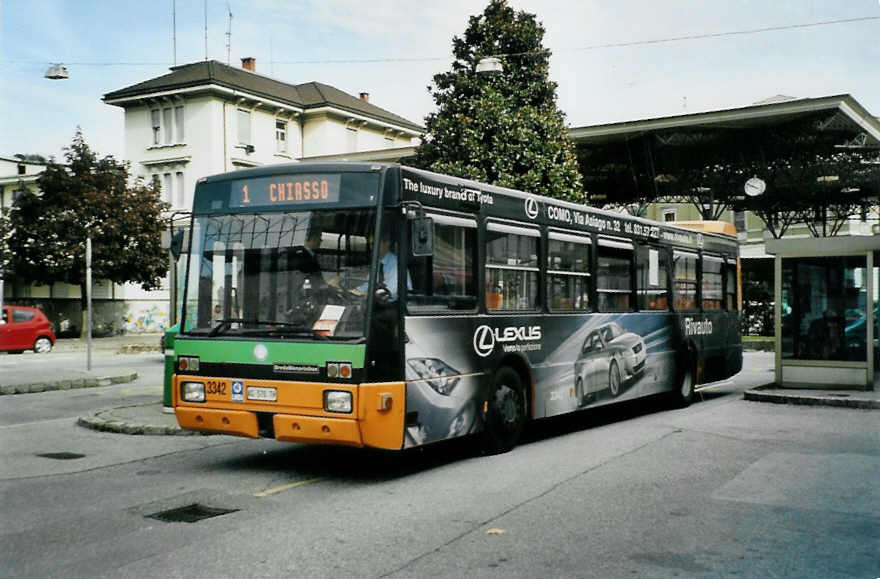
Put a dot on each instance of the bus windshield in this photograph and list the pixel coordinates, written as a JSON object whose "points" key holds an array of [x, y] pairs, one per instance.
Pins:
{"points": [[280, 274]]}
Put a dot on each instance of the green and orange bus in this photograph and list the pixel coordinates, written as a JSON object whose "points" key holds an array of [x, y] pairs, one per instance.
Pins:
{"points": [[382, 306]]}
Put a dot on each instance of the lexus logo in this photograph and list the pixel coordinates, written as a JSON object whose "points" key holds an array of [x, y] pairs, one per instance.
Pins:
{"points": [[531, 207], [484, 341]]}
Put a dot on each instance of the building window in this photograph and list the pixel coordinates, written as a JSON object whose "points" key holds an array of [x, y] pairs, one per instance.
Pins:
{"points": [[739, 221], [280, 136], [157, 126], [244, 127], [614, 276], [178, 124], [651, 278], [668, 215], [511, 268], [22, 170], [178, 186], [167, 125], [568, 272], [167, 188]]}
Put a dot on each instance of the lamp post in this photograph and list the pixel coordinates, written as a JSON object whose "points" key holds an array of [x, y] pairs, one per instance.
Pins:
{"points": [[89, 303], [489, 64]]}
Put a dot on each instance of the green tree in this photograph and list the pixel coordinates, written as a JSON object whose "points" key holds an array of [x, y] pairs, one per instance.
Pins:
{"points": [[88, 197], [502, 127]]}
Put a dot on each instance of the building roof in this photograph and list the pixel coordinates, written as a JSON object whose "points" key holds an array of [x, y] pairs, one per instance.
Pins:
{"points": [[204, 74]]}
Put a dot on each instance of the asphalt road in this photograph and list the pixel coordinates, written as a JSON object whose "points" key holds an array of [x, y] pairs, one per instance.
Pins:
{"points": [[25, 408], [723, 488]]}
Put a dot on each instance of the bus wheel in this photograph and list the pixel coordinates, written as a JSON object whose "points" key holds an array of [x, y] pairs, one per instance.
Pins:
{"points": [[505, 413], [685, 393], [614, 378]]}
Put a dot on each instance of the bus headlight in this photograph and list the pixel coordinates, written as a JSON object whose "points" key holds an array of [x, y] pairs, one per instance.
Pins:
{"points": [[337, 401], [192, 391], [438, 374]]}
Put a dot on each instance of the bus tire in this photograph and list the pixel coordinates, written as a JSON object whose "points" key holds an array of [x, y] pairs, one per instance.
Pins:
{"points": [[614, 378], [505, 412], [684, 394]]}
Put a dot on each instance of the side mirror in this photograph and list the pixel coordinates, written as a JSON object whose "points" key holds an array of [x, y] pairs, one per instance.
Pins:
{"points": [[422, 239], [176, 245]]}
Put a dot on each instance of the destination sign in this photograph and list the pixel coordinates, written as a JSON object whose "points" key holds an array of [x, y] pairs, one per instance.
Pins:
{"points": [[284, 190]]}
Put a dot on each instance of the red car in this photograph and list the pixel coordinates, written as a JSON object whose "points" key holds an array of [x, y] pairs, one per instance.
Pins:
{"points": [[23, 328]]}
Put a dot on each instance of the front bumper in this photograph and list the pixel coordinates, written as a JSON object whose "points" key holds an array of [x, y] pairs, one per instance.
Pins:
{"points": [[298, 415]]}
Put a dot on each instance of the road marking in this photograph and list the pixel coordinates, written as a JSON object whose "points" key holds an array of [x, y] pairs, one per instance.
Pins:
{"points": [[287, 487]]}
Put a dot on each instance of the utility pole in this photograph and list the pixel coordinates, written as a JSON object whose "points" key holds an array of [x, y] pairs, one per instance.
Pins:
{"points": [[89, 304]]}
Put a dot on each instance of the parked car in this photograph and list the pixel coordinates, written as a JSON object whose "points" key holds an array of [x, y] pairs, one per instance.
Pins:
{"points": [[609, 357], [23, 328]]}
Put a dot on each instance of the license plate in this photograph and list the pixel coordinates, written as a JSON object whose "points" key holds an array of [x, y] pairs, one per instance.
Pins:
{"points": [[263, 394]]}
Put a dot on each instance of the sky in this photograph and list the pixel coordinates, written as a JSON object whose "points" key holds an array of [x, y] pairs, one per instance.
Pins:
{"points": [[392, 48]]}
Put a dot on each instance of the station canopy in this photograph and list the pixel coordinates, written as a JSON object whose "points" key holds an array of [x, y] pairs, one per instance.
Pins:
{"points": [[804, 150]]}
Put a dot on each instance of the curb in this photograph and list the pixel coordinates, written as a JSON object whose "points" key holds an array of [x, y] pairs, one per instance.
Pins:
{"points": [[103, 421], [756, 395], [67, 384]]}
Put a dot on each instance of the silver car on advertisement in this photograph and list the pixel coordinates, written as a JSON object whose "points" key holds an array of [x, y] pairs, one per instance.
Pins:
{"points": [[609, 357]]}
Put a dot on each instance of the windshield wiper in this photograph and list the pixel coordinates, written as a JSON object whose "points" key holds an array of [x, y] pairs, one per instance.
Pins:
{"points": [[224, 325], [294, 329]]}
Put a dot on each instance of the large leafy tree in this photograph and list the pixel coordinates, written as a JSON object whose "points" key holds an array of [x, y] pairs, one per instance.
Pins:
{"points": [[87, 197], [501, 127]]}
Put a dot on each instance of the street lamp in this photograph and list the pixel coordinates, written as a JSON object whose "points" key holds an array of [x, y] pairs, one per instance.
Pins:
{"points": [[57, 72], [489, 64]]}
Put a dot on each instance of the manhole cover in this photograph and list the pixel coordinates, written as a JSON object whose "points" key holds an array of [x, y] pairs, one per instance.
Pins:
{"points": [[62, 455], [189, 514]]}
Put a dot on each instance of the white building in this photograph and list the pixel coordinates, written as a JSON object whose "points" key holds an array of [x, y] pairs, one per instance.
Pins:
{"points": [[15, 177], [206, 118]]}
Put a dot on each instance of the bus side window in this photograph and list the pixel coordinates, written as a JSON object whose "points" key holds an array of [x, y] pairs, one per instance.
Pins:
{"points": [[568, 272], [651, 278], [511, 268], [730, 286], [446, 280], [614, 276], [712, 290], [685, 278]]}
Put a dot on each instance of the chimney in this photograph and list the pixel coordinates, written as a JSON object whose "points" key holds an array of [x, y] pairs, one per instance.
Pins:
{"points": [[249, 63], [365, 96]]}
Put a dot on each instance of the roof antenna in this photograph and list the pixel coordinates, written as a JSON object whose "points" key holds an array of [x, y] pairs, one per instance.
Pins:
{"points": [[228, 32], [174, 29], [206, 29]]}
